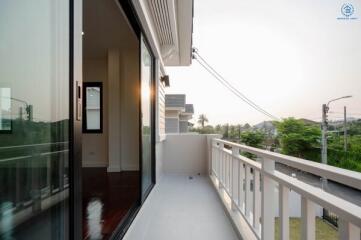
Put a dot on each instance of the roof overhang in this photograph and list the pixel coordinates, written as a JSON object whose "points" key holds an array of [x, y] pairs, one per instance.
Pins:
{"points": [[168, 25]]}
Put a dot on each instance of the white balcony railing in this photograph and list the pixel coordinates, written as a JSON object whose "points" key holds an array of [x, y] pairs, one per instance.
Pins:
{"points": [[251, 187]]}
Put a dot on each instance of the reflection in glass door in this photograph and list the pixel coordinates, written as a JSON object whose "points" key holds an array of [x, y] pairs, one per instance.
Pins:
{"points": [[34, 119], [146, 116]]}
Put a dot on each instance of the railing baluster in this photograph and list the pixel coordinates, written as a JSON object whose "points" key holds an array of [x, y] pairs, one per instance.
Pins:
{"points": [[230, 173], [348, 230], [241, 189], [308, 221], [235, 177], [220, 179], [248, 191], [268, 201], [227, 172], [218, 159], [284, 212], [256, 200]]}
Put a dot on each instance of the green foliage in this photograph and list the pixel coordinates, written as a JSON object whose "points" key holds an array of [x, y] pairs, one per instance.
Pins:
{"points": [[253, 138], [204, 130], [296, 137], [28, 132], [355, 127], [336, 158]]}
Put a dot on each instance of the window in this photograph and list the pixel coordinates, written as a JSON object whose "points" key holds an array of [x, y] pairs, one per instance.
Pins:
{"points": [[147, 117], [35, 156], [93, 107], [5, 110]]}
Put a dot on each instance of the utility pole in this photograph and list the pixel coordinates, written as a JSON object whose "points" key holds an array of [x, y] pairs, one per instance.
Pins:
{"points": [[344, 129], [29, 111], [325, 108], [324, 133]]}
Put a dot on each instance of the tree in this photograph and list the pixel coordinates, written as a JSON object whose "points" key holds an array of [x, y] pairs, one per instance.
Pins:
{"points": [[202, 119], [205, 130], [296, 137], [253, 138], [226, 131]]}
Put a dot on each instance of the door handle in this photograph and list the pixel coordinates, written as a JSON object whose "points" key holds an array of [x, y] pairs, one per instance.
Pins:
{"points": [[79, 102]]}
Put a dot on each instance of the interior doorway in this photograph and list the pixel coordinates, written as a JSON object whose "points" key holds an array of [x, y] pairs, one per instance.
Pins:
{"points": [[111, 119]]}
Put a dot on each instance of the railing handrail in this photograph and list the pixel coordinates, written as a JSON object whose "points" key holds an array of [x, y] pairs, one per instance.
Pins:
{"points": [[348, 210], [343, 176], [33, 145]]}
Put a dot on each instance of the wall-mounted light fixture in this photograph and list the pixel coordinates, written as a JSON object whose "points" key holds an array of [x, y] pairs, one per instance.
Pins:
{"points": [[165, 80]]}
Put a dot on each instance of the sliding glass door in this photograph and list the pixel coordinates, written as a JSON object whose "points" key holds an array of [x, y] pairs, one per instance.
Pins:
{"points": [[147, 118], [34, 119]]}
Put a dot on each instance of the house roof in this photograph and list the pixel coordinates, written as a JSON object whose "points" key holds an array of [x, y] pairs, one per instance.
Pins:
{"points": [[189, 108], [175, 100]]}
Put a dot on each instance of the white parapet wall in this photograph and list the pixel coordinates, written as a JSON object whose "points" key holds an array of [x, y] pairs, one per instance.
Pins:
{"points": [[186, 153]]}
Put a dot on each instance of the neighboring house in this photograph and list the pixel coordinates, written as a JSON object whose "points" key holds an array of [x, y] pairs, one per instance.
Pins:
{"points": [[177, 113], [184, 118]]}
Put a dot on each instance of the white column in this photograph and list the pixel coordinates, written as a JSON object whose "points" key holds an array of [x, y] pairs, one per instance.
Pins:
{"points": [[308, 221], [268, 201], [284, 212], [114, 110]]}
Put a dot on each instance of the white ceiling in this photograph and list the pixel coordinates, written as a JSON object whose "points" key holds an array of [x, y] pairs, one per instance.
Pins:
{"points": [[105, 27]]}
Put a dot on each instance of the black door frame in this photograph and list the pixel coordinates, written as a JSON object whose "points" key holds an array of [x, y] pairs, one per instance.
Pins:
{"points": [[132, 17], [75, 134]]}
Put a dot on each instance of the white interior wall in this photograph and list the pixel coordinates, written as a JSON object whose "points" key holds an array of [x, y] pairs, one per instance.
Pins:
{"points": [[95, 146], [114, 118], [129, 103], [111, 55]]}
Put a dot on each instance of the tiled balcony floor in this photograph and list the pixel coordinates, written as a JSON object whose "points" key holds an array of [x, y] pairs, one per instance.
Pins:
{"points": [[180, 208]]}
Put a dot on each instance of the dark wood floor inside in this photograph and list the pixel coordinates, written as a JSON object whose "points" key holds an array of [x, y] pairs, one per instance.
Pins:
{"points": [[107, 197]]}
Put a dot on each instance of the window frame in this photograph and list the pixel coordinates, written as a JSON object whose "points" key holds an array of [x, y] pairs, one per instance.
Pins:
{"points": [[85, 86]]}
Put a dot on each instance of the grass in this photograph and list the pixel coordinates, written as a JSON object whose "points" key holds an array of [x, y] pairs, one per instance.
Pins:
{"points": [[323, 230]]}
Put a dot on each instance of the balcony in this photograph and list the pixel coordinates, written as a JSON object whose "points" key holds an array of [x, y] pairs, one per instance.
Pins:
{"points": [[209, 189]]}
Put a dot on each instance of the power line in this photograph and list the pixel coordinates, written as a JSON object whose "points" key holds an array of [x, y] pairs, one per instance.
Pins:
{"points": [[229, 86], [359, 114], [234, 91], [220, 78]]}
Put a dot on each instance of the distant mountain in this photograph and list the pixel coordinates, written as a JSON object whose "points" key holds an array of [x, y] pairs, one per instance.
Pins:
{"points": [[264, 125], [309, 122], [267, 127]]}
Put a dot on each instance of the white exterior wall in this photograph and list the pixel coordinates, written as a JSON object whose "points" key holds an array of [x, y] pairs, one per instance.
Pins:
{"points": [[160, 105], [185, 154], [171, 125], [183, 126]]}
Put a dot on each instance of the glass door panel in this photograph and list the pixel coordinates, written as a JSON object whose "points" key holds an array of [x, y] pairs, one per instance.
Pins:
{"points": [[34, 119], [146, 116]]}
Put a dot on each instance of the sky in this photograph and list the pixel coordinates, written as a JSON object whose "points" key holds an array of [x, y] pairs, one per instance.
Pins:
{"points": [[288, 56]]}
